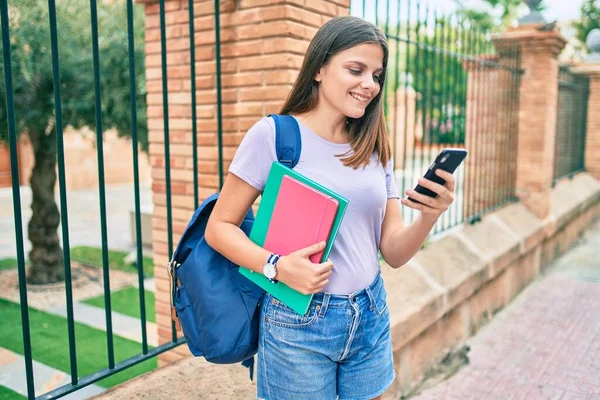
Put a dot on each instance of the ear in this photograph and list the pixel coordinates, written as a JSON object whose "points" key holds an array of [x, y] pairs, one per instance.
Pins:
{"points": [[319, 76]]}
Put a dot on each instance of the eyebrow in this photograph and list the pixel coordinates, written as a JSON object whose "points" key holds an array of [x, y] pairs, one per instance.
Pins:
{"points": [[362, 64]]}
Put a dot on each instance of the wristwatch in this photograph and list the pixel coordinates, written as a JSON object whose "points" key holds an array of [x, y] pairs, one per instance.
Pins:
{"points": [[270, 268]]}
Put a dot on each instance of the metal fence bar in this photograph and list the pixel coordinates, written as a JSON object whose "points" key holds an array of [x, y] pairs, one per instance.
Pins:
{"points": [[427, 92], [474, 90], [433, 125], [419, 108], [446, 72], [570, 124], [193, 93], [387, 80], [457, 84], [121, 366], [488, 139], [14, 171], [165, 88], [406, 84], [62, 189], [219, 97], [136, 176], [101, 186]]}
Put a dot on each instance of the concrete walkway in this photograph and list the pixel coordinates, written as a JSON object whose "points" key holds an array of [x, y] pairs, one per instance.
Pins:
{"points": [[84, 217], [122, 325], [545, 344], [12, 376]]}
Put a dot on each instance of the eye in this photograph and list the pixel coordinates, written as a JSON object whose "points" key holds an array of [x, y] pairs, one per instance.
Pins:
{"points": [[377, 78], [355, 71]]}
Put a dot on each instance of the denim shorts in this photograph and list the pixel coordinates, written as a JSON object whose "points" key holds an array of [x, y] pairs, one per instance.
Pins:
{"points": [[341, 348]]}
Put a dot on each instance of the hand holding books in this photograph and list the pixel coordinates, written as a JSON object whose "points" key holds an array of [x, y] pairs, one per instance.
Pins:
{"points": [[298, 272]]}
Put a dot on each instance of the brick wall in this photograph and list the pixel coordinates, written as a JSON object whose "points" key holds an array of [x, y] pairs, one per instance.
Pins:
{"points": [[537, 114], [262, 48], [592, 145], [482, 113]]}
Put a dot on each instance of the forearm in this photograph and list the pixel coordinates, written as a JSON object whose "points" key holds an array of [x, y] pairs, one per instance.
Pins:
{"points": [[229, 240], [405, 242]]}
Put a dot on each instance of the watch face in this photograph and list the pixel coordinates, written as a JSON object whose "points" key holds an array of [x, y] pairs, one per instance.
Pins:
{"points": [[269, 271]]}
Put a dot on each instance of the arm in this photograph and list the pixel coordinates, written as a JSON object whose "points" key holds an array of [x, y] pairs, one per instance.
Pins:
{"points": [[223, 231], [223, 234], [400, 243]]}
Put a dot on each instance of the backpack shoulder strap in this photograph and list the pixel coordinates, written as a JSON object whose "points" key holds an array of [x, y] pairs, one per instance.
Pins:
{"points": [[288, 142]]}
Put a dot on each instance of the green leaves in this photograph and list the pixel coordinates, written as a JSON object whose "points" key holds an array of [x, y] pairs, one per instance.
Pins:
{"points": [[590, 19], [494, 16], [32, 67]]}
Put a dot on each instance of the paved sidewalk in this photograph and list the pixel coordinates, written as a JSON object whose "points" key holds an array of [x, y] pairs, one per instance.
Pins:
{"points": [[122, 325], [545, 344], [12, 376], [83, 217]]}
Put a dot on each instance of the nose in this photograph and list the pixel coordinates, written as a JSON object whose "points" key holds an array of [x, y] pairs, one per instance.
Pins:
{"points": [[368, 83]]}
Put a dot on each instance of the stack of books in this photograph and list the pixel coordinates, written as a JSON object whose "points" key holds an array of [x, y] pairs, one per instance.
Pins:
{"points": [[295, 212]]}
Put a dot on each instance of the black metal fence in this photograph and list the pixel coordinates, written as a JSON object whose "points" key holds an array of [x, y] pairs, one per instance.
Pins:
{"points": [[447, 87], [571, 118], [115, 362]]}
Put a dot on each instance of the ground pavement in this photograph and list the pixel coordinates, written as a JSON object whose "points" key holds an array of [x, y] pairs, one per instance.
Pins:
{"points": [[545, 344]]}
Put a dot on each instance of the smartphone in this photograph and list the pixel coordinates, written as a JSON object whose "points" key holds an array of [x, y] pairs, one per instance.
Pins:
{"points": [[448, 160]]}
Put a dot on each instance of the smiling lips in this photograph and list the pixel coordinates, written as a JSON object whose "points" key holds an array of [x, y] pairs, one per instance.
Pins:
{"points": [[359, 97]]}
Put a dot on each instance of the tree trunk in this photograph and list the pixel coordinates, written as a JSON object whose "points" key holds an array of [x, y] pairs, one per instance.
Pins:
{"points": [[46, 254]]}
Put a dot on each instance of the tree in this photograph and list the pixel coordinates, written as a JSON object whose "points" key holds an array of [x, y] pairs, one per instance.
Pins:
{"points": [[506, 13], [34, 99], [590, 19]]}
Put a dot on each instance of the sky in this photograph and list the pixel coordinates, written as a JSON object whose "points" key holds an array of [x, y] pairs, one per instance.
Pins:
{"points": [[560, 10]]}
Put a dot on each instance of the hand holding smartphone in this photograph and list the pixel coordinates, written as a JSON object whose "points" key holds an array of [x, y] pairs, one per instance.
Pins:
{"points": [[448, 160]]}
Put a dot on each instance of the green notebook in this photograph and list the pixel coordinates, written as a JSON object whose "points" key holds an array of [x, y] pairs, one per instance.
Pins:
{"points": [[295, 300]]}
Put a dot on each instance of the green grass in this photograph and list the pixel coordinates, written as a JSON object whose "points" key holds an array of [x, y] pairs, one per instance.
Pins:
{"points": [[50, 344], [7, 394], [8, 263], [93, 256], [127, 301]]}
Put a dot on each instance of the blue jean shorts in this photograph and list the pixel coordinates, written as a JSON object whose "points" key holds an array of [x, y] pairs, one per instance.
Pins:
{"points": [[341, 348]]}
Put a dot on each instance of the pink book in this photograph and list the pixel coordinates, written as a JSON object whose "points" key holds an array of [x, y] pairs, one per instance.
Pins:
{"points": [[302, 216]]}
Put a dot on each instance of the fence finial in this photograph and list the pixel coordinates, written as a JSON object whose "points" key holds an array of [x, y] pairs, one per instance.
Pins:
{"points": [[593, 44], [534, 16]]}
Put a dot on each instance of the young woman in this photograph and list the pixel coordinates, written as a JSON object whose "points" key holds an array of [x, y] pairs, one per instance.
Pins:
{"points": [[342, 346]]}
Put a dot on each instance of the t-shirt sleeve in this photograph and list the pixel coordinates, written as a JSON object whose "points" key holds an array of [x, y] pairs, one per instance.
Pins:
{"points": [[390, 181], [255, 154]]}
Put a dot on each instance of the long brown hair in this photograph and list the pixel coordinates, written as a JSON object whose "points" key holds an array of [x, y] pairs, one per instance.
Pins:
{"points": [[368, 134]]}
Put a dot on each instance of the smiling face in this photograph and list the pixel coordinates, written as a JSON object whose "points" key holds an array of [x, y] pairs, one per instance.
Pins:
{"points": [[352, 79]]}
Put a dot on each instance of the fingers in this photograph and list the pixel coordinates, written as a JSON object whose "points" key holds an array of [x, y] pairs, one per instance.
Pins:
{"points": [[324, 267], [310, 250], [423, 199], [321, 279], [414, 206], [448, 177], [440, 190]]}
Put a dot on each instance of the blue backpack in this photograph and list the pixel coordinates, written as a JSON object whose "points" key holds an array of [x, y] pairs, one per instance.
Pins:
{"points": [[217, 307]]}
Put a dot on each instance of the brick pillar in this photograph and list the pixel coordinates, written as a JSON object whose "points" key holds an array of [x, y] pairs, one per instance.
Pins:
{"points": [[592, 139], [538, 94], [484, 135], [262, 48], [404, 126]]}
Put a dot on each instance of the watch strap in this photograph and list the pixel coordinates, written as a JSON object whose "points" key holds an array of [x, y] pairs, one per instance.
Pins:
{"points": [[273, 258]]}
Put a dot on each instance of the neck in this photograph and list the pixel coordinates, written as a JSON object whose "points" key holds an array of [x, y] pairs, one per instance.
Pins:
{"points": [[327, 123]]}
